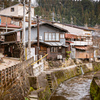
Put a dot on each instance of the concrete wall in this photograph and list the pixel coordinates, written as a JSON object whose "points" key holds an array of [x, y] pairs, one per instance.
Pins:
{"points": [[7, 11], [18, 11]]}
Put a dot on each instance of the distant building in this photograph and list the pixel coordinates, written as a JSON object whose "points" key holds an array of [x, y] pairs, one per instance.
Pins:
{"points": [[80, 39], [8, 23], [17, 11]]}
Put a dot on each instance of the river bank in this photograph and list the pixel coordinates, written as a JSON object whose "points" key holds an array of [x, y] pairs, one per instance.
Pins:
{"points": [[48, 81], [76, 88], [95, 86]]}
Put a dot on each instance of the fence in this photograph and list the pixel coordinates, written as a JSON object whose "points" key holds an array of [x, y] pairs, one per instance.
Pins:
{"points": [[9, 75]]}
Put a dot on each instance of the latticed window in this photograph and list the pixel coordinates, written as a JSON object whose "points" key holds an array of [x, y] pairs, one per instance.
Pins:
{"points": [[52, 37]]}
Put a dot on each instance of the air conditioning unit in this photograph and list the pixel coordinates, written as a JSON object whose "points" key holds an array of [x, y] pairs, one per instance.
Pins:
{"points": [[59, 56], [40, 37]]}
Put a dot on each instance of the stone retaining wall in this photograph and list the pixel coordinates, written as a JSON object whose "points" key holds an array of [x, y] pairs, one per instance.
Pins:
{"points": [[95, 84], [59, 76], [48, 81]]}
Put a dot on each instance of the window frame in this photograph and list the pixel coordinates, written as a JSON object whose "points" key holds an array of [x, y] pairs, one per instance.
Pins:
{"points": [[52, 39], [12, 9], [61, 35], [53, 49]]}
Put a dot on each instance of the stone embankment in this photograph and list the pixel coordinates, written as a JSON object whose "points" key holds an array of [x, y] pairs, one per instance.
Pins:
{"points": [[48, 81], [95, 86], [43, 86]]}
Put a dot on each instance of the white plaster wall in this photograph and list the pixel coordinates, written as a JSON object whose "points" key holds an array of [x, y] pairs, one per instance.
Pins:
{"points": [[8, 12], [18, 11]]}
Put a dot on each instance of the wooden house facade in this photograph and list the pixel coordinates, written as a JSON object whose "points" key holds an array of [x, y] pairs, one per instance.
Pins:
{"points": [[51, 40]]}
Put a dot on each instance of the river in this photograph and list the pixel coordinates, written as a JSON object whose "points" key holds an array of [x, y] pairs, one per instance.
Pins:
{"points": [[76, 88]]}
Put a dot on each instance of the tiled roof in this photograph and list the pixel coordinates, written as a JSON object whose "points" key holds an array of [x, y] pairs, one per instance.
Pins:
{"points": [[9, 25], [51, 43]]}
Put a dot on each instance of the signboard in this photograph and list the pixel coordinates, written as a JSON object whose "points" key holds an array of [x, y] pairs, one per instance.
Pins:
{"points": [[0, 21]]}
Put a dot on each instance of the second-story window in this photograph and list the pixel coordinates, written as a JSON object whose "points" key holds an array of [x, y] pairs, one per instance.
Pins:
{"points": [[62, 36], [12, 9], [52, 37]]}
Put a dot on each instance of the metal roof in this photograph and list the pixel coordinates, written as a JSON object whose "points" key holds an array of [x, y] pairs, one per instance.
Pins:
{"points": [[11, 32], [35, 25], [9, 42], [74, 26], [51, 43]]}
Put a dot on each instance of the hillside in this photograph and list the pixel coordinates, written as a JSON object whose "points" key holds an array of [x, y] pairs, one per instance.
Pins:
{"points": [[66, 11], [70, 11]]}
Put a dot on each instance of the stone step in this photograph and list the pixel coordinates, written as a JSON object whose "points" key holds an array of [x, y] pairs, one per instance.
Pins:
{"points": [[33, 97], [49, 82]]}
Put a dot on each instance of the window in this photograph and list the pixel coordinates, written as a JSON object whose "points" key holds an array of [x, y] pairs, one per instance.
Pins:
{"points": [[12, 9], [54, 49], [62, 36], [57, 36], [51, 36], [51, 49], [46, 36]]}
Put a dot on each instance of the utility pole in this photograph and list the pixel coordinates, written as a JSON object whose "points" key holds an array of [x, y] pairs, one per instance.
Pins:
{"points": [[23, 35], [38, 36], [29, 29]]}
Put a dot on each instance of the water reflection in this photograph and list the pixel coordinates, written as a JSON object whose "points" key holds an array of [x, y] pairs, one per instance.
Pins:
{"points": [[74, 89]]}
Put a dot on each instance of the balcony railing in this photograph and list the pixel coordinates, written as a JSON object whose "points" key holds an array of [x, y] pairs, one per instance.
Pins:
{"points": [[82, 43]]}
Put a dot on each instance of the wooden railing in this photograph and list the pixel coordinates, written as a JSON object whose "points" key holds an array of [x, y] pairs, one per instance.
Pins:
{"points": [[9, 75]]}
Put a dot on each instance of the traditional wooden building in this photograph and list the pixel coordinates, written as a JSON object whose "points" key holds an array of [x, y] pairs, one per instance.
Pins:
{"points": [[51, 39], [79, 40]]}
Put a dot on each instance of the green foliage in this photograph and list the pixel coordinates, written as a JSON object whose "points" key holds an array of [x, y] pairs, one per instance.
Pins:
{"points": [[82, 12], [31, 89], [95, 90], [26, 98], [68, 54]]}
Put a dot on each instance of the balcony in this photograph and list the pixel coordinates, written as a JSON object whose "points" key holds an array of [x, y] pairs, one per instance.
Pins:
{"points": [[82, 43]]}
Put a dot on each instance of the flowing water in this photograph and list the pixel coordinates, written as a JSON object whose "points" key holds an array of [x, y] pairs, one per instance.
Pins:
{"points": [[76, 88]]}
